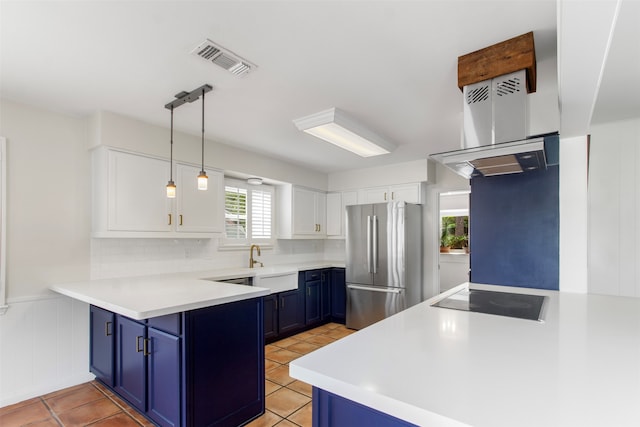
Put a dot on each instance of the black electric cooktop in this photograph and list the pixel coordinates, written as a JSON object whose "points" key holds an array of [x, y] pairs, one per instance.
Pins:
{"points": [[522, 306]]}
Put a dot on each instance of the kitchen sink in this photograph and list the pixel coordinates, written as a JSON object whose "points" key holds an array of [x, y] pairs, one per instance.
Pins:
{"points": [[277, 281]]}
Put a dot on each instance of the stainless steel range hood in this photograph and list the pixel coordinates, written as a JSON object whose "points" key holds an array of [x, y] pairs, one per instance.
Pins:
{"points": [[496, 140]]}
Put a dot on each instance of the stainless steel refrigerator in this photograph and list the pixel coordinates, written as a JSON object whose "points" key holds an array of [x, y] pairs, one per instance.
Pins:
{"points": [[384, 260]]}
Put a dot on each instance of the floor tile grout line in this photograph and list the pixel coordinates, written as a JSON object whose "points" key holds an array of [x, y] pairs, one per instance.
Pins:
{"points": [[53, 414], [122, 408]]}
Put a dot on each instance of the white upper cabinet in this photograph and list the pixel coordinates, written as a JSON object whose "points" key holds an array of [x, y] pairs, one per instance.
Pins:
{"points": [[129, 198], [136, 198], [336, 205], [198, 211], [302, 213], [409, 193]]}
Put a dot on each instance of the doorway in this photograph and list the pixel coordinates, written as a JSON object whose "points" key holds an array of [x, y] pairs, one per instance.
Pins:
{"points": [[453, 258]]}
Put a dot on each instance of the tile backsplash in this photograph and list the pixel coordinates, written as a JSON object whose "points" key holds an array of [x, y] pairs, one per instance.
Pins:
{"points": [[134, 257]]}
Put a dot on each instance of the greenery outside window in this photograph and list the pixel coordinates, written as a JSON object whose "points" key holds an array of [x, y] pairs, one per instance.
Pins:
{"points": [[248, 214], [454, 232]]}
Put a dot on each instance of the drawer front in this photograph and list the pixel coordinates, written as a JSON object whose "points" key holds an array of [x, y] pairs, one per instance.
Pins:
{"points": [[312, 275], [171, 323]]}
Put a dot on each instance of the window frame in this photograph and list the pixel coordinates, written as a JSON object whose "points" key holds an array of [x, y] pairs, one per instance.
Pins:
{"points": [[230, 243]]}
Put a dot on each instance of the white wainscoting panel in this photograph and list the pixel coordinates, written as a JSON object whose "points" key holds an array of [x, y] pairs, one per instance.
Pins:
{"points": [[44, 346]]}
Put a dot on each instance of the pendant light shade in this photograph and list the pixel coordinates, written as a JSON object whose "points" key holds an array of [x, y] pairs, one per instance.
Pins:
{"points": [[171, 186], [171, 190], [202, 178]]}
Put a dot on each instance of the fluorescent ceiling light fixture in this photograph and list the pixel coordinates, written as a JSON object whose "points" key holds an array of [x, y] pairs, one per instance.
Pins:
{"points": [[335, 126]]}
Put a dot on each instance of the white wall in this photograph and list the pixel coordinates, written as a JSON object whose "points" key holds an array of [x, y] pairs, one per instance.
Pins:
{"points": [[614, 208], [44, 338]]}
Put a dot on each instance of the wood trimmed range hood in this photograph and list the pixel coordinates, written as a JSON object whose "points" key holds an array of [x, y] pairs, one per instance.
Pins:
{"points": [[495, 82]]}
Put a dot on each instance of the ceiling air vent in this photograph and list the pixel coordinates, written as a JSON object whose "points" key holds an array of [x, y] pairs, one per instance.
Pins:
{"points": [[222, 57]]}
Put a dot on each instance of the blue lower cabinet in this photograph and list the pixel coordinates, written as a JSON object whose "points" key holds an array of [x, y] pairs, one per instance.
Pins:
{"points": [[198, 368], [102, 344], [270, 316], [313, 302], [131, 362], [164, 377], [290, 312], [332, 410], [338, 295]]}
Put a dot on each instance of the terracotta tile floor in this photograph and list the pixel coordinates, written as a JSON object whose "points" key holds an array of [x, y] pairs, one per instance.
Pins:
{"points": [[288, 402]]}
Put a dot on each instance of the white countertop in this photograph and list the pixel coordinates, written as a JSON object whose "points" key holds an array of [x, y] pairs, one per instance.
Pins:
{"points": [[439, 367], [143, 297]]}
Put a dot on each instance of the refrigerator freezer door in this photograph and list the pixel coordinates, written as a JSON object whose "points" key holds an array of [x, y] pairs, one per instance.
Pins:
{"points": [[369, 304]]}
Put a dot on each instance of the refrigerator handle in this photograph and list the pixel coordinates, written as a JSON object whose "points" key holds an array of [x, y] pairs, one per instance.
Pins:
{"points": [[375, 244], [368, 244]]}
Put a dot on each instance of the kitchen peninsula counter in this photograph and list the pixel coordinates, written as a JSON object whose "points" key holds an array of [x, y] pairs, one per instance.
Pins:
{"points": [[437, 367], [142, 297]]}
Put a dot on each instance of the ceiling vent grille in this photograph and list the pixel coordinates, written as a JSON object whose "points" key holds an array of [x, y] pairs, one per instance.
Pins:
{"points": [[211, 52]]}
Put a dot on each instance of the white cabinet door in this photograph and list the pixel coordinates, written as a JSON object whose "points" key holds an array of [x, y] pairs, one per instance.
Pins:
{"points": [[304, 211], [409, 193], [334, 214], [336, 205], [137, 198], [373, 195], [198, 210]]}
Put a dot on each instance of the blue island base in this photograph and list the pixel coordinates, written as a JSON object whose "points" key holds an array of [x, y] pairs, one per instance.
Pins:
{"points": [[330, 410]]}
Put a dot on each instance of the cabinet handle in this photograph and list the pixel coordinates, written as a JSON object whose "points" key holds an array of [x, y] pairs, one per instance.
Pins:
{"points": [[169, 219], [319, 227], [107, 329], [138, 349], [145, 344], [309, 291], [385, 196], [282, 302], [180, 219], [276, 303], [392, 197]]}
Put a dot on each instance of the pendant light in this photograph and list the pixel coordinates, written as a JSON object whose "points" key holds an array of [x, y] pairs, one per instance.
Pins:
{"points": [[202, 178], [171, 186], [182, 98]]}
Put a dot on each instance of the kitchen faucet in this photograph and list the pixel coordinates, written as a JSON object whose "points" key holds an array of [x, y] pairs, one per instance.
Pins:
{"points": [[253, 262]]}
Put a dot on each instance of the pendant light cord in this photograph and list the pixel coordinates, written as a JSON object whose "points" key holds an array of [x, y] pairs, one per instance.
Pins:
{"points": [[203, 92], [171, 152]]}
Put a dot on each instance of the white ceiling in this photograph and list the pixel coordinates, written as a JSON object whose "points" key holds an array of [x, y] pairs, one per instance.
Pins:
{"points": [[391, 64]]}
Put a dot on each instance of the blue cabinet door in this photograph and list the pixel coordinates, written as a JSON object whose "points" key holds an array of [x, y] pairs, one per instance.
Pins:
{"points": [[165, 380], [270, 316], [290, 311], [325, 295], [312, 302], [102, 344], [338, 296], [131, 373]]}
